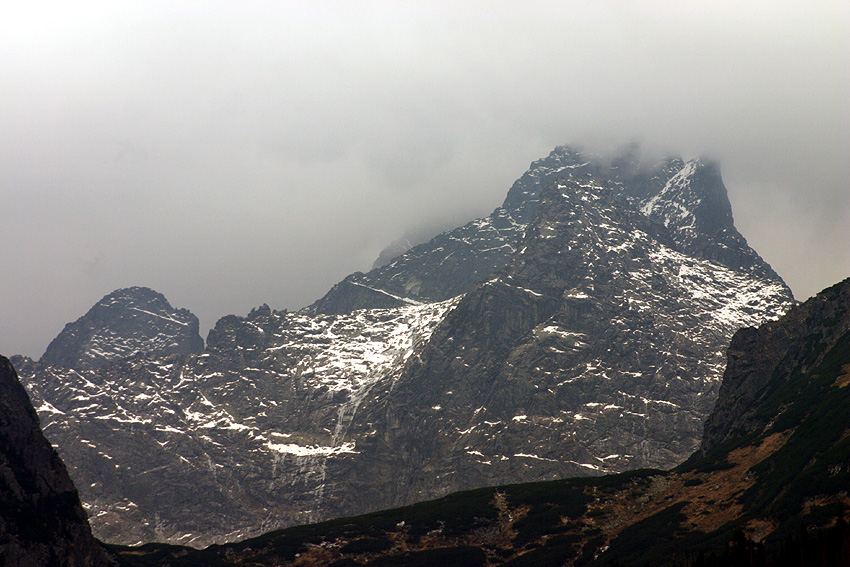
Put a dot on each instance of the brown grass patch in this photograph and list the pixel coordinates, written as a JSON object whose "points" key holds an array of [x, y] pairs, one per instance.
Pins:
{"points": [[714, 502], [758, 529], [709, 504], [825, 500], [844, 379]]}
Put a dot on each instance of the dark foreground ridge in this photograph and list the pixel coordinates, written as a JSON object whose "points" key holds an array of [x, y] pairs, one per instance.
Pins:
{"points": [[769, 488], [42, 522]]}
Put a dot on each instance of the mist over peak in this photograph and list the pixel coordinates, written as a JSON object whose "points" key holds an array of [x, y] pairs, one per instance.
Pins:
{"points": [[272, 150]]}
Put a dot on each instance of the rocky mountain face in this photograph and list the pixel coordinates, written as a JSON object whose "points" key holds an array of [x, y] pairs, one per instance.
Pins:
{"points": [[229, 442], [688, 199], [598, 348], [768, 485], [453, 261], [579, 329], [42, 522], [776, 351], [125, 322]]}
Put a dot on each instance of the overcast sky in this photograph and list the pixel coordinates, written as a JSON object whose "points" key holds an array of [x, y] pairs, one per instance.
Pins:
{"points": [[229, 155]]}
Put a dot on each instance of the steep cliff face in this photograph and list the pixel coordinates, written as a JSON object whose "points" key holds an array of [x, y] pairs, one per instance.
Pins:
{"points": [[452, 262], [768, 487], [42, 522], [775, 352], [598, 348], [592, 342], [694, 205], [125, 322], [230, 442]]}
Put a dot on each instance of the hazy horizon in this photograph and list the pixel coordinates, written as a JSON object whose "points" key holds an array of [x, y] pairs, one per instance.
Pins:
{"points": [[233, 156]]}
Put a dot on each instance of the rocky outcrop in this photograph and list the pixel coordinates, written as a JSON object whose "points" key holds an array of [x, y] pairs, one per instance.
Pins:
{"points": [[787, 348], [231, 442], [694, 205], [42, 522], [127, 321], [592, 342], [452, 262], [769, 486], [599, 348]]}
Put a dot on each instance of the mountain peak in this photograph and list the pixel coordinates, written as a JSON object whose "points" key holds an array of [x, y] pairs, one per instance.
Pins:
{"points": [[694, 197], [523, 195], [694, 206], [586, 339], [122, 323], [688, 199]]}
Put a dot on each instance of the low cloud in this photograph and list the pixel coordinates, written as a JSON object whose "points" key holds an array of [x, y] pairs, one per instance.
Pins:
{"points": [[229, 157]]}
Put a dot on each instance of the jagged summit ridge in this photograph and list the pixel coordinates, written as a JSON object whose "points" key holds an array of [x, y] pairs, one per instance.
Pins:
{"points": [[124, 322], [520, 203], [455, 260], [229, 442], [587, 339], [688, 199], [667, 205], [598, 348], [695, 206], [524, 194]]}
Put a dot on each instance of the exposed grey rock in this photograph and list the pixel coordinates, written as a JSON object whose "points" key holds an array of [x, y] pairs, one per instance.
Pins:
{"points": [[580, 330], [599, 348], [129, 320], [42, 523], [453, 261], [770, 485], [694, 205], [788, 347], [230, 442]]}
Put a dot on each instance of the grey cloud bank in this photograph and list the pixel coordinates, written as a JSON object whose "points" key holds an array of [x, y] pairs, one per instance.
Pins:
{"points": [[230, 156]]}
